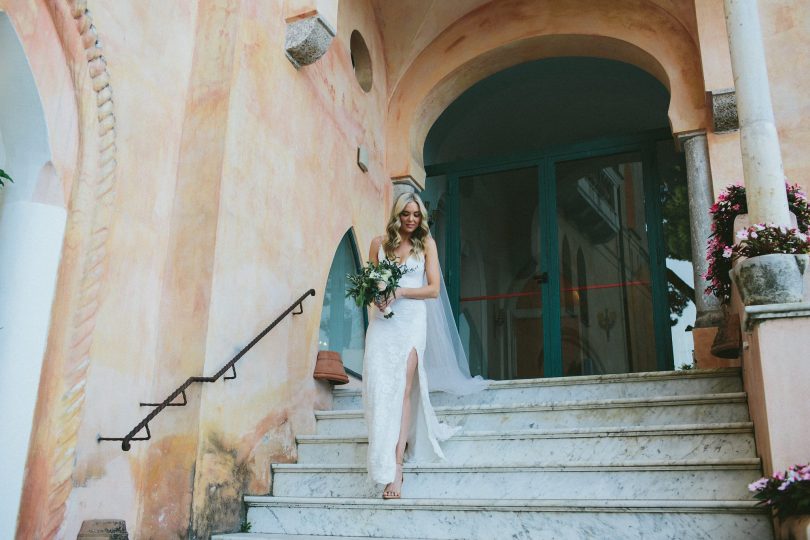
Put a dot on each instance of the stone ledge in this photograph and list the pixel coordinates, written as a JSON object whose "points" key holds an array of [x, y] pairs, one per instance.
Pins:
{"points": [[755, 314]]}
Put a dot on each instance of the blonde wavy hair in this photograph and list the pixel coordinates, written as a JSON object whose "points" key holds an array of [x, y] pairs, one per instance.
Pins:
{"points": [[392, 237]]}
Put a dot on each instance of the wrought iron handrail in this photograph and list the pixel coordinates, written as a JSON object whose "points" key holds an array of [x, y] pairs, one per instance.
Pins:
{"points": [[181, 390]]}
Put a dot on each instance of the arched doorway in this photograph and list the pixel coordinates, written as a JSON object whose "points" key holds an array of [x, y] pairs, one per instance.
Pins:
{"points": [[343, 324], [554, 172], [32, 227]]}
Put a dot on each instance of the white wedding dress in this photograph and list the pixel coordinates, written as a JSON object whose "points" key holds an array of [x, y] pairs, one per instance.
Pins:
{"points": [[388, 344]]}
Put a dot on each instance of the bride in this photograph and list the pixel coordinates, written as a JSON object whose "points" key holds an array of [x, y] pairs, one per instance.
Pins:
{"points": [[415, 351]]}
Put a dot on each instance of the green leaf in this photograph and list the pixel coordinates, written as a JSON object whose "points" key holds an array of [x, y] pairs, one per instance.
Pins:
{"points": [[6, 176]]}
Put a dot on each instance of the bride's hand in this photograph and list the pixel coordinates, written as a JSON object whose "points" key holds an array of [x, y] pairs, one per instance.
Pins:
{"points": [[381, 305]]}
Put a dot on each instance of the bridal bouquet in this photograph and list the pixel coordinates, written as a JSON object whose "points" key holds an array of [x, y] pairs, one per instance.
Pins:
{"points": [[375, 283]]}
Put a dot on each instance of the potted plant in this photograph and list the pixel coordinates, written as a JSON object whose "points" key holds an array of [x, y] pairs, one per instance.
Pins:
{"points": [[732, 203], [787, 494], [772, 261]]}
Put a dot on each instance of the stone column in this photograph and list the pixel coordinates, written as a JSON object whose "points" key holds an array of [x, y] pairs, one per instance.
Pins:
{"points": [[762, 159], [701, 197]]}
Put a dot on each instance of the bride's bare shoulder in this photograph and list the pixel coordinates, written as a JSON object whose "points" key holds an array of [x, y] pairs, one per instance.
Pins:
{"points": [[375, 248], [430, 245], [377, 242]]}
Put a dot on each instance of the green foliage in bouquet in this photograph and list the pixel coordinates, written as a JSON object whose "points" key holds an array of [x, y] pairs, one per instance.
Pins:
{"points": [[4, 176], [786, 492], [375, 283]]}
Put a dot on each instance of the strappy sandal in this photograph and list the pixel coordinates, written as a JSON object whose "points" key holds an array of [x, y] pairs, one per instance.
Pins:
{"points": [[388, 494]]}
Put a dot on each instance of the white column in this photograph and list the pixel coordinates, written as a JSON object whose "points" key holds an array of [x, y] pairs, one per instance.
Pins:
{"points": [[31, 236], [762, 159]]}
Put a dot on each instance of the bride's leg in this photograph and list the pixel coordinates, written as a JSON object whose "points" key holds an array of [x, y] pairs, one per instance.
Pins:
{"points": [[395, 486], [405, 424]]}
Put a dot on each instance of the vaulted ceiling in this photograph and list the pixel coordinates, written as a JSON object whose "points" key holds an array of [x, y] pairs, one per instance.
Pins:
{"points": [[408, 26]]}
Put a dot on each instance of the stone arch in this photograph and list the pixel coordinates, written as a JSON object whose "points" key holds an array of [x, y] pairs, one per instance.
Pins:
{"points": [[502, 34], [73, 82]]}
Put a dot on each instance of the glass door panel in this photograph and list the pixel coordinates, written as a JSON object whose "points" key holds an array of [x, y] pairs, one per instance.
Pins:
{"points": [[500, 301], [606, 295], [343, 324]]}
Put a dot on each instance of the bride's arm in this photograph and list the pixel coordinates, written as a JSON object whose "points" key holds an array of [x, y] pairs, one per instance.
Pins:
{"points": [[374, 250], [431, 290]]}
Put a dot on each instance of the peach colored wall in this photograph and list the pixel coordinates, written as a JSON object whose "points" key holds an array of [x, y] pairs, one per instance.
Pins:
{"points": [[238, 179], [786, 35], [290, 188], [786, 32], [253, 174]]}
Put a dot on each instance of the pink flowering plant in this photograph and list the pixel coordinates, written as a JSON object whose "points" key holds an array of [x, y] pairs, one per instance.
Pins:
{"points": [[764, 239], [720, 252], [786, 492]]}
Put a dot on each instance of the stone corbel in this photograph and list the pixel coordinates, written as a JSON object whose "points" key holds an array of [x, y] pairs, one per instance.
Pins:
{"points": [[308, 39], [724, 110], [405, 184]]}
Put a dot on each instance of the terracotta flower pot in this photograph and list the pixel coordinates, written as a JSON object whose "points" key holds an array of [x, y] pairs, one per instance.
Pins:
{"points": [[770, 279], [794, 528], [329, 367], [728, 340]]}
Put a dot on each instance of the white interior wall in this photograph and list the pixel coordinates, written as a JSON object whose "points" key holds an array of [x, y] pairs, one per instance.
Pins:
{"points": [[31, 235]]}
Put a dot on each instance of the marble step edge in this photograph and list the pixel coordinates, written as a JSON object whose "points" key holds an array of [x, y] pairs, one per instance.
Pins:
{"points": [[658, 401], [513, 505], [591, 379], [561, 433], [284, 536], [742, 464]]}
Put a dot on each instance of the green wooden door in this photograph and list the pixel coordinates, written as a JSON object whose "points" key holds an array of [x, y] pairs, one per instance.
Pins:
{"points": [[554, 262]]}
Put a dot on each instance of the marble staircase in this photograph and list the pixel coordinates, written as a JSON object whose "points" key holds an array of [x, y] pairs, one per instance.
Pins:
{"points": [[649, 455]]}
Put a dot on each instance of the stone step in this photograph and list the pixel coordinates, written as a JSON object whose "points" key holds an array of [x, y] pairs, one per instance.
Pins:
{"points": [[272, 536], [592, 387], [540, 447], [712, 408], [488, 519], [670, 480]]}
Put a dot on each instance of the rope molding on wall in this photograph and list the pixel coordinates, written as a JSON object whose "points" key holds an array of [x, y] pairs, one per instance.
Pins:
{"points": [[93, 261]]}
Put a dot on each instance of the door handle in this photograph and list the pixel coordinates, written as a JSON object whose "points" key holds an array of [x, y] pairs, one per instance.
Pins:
{"points": [[541, 278]]}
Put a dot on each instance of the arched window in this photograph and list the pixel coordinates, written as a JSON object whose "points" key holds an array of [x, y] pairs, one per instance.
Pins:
{"points": [[343, 324]]}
